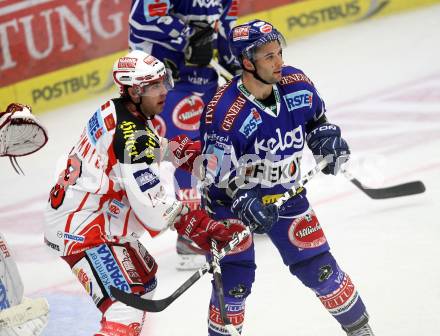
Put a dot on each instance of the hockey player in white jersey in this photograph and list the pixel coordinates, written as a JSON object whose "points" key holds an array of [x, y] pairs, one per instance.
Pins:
{"points": [[20, 134], [109, 194], [184, 34]]}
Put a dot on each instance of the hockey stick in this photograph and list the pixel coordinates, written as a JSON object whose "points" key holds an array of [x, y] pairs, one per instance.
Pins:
{"points": [[405, 189], [154, 306], [221, 70], [399, 190], [218, 288], [29, 309]]}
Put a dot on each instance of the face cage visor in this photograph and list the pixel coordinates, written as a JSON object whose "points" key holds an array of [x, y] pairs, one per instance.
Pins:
{"points": [[252, 51], [157, 86]]}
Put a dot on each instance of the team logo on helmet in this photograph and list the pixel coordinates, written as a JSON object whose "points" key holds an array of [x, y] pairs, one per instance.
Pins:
{"points": [[150, 60], [258, 23], [241, 33], [127, 63], [267, 28]]}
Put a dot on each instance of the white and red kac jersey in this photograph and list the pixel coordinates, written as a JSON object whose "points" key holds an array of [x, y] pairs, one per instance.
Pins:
{"points": [[110, 189]]}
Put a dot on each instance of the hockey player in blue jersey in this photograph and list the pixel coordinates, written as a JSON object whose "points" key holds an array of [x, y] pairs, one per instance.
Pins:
{"points": [[184, 34], [253, 134]]}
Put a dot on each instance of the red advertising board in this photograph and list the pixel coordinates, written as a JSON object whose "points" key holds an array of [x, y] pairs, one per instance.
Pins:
{"points": [[40, 36]]}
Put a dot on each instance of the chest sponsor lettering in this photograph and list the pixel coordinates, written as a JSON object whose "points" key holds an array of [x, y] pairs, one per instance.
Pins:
{"points": [[277, 145]]}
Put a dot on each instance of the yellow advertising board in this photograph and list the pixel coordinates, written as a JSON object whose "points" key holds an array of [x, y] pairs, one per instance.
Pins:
{"points": [[44, 86], [313, 16]]}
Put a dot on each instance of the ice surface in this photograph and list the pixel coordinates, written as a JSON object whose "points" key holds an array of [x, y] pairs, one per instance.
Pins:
{"points": [[381, 82]]}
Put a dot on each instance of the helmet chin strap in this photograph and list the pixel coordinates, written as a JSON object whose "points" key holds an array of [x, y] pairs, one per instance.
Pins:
{"points": [[255, 74]]}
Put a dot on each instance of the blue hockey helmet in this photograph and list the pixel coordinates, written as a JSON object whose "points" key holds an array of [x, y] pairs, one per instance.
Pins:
{"points": [[244, 39]]}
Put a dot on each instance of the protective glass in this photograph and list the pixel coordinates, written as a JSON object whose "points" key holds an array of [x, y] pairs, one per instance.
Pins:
{"points": [[258, 52], [159, 86]]}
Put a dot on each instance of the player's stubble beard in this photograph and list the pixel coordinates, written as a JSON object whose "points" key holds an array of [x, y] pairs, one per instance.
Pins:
{"points": [[152, 107]]}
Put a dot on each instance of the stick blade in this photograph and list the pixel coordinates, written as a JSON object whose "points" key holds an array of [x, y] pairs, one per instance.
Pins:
{"points": [[135, 301], [405, 189]]}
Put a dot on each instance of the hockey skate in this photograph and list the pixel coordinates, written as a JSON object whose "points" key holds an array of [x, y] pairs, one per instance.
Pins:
{"points": [[365, 330], [190, 256]]}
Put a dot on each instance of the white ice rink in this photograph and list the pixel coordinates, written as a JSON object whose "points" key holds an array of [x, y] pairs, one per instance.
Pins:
{"points": [[381, 82]]}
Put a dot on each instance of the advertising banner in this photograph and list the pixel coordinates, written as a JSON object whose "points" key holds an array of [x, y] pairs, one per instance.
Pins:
{"points": [[313, 16], [54, 52], [39, 37]]}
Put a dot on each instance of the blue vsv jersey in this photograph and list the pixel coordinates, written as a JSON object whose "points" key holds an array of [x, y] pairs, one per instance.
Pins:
{"points": [[249, 145], [162, 27]]}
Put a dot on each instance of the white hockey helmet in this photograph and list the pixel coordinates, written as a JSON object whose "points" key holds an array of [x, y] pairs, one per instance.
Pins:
{"points": [[140, 70]]}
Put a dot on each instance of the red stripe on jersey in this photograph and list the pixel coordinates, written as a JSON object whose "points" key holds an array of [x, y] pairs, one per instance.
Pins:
{"points": [[92, 238], [83, 141], [152, 233], [69, 219], [91, 155], [127, 216], [106, 105], [86, 150]]}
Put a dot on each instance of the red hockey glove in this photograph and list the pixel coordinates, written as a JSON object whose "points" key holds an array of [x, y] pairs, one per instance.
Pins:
{"points": [[197, 226], [182, 151]]}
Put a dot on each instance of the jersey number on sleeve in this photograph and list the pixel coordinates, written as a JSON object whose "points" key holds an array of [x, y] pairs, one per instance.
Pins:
{"points": [[67, 177]]}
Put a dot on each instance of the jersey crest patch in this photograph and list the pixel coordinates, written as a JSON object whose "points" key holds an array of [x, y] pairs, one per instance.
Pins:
{"points": [[115, 207], [146, 179], [155, 8], [298, 99], [110, 122], [95, 127], [251, 123]]}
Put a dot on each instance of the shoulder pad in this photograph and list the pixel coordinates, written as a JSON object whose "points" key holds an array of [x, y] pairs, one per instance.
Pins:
{"points": [[232, 113], [212, 105], [134, 141], [293, 75], [101, 122]]}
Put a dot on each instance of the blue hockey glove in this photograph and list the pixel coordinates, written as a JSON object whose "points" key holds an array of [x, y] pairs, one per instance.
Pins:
{"points": [[248, 207], [325, 142]]}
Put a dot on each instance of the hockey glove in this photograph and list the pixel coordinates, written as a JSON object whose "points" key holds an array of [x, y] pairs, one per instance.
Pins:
{"points": [[200, 47], [21, 133], [182, 151], [197, 226], [233, 68], [252, 212], [325, 142]]}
